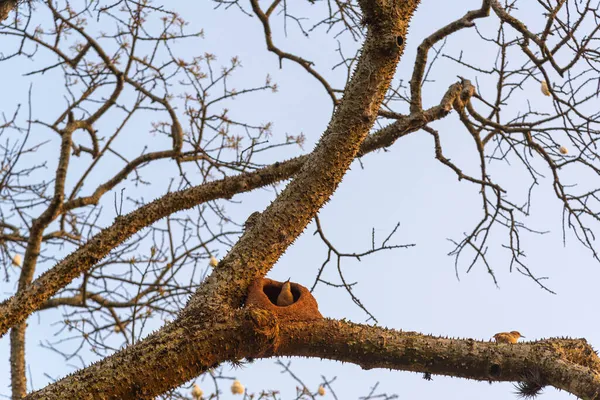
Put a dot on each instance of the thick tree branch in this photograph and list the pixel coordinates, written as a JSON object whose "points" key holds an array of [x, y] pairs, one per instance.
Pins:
{"points": [[187, 349], [567, 364], [263, 244], [213, 328], [18, 307]]}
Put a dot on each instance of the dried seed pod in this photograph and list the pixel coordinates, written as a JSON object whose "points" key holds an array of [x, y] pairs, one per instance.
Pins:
{"points": [[237, 387], [563, 150], [197, 392], [321, 391]]}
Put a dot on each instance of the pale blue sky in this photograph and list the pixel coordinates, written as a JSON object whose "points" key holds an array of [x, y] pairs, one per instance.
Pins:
{"points": [[411, 289]]}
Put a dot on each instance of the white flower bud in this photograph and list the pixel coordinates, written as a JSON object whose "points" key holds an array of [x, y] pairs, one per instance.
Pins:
{"points": [[237, 387], [17, 260], [545, 89], [197, 392]]}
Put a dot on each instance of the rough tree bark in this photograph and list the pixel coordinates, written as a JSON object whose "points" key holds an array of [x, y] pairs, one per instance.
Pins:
{"points": [[213, 328], [120, 376], [37, 296], [6, 6]]}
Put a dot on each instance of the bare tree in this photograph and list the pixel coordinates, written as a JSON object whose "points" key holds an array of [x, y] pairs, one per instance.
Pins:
{"points": [[132, 111]]}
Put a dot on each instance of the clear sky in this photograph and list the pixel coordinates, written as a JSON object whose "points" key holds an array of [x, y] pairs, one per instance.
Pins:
{"points": [[409, 289]]}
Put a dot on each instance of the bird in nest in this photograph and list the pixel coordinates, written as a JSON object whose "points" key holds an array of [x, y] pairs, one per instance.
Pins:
{"points": [[285, 297]]}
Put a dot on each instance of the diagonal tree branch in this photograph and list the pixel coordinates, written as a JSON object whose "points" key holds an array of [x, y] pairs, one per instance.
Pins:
{"points": [[127, 372], [416, 82], [18, 307], [186, 349]]}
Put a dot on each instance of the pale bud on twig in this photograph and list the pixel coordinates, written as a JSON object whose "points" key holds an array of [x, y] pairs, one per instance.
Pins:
{"points": [[563, 150], [197, 392], [545, 89], [237, 387], [17, 260], [321, 391], [213, 261]]}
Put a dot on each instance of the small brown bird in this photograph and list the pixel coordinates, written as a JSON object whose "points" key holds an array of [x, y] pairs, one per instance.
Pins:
{"points": [[286, 297], [251, 221], [508, 337]]}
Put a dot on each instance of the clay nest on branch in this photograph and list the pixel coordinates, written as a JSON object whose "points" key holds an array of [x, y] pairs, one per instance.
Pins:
{"points": [[263, 293]]}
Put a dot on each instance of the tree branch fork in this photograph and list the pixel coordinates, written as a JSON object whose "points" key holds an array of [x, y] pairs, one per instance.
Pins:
{"points": [[249, 333], [212, 330], [37, 294]]}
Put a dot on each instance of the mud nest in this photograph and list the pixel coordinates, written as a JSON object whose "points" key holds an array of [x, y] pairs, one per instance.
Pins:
{"points": [[263, 294]]}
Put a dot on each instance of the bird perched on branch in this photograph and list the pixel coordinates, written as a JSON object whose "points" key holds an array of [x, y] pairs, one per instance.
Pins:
{"points": [[286, 297], [508, 337], [251, 221]]}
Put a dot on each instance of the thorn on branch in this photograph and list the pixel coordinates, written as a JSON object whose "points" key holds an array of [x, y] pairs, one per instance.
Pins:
{"points": [[532, 385]]}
